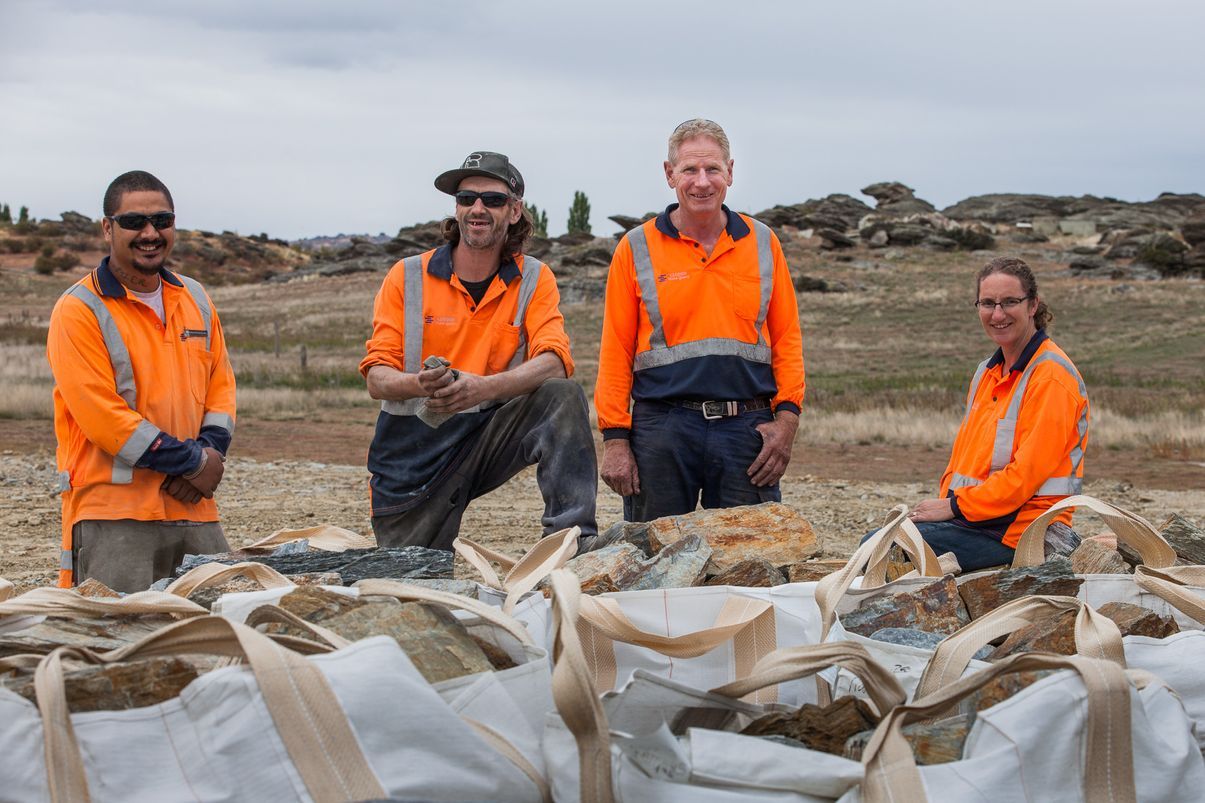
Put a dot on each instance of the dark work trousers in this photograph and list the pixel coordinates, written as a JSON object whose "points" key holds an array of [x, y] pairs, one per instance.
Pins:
{"points": [[548, 428], [128, 555], [976, 549], [682, 457]]}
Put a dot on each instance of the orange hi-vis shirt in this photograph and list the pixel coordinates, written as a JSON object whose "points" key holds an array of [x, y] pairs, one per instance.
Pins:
{"points": [[135, 398], [1021, 444], [407, 457], [722, 326]]}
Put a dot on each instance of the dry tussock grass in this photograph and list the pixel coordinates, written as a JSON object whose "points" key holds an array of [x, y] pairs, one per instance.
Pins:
{"points": [[291, 403]]}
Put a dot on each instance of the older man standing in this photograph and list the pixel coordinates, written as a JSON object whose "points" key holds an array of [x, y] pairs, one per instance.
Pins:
{"points": [[701, 332], [449, 433], [143, 402]]}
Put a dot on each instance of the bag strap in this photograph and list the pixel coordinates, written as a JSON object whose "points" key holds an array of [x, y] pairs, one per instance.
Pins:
{"points": [[792, 663], [1169, 586], [511, 753], [274, 614], [1130, 529], [407, 592], [898, 530], [1108, 772], [326, 537], [313, 727], [7, 589], [737, 613], [1096, 636], [211, 574], [574, 693], [68, 603], [522, 575]]}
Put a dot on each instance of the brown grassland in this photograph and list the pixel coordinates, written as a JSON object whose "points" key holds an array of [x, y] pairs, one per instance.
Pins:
{"points": [[887, 367]]}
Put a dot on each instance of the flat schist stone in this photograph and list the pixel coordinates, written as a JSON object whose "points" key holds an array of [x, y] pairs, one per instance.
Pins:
{"points": [[353, 565], [95, 589], [680, 565], [316, 604], [933, 608], [208, 595], [756, 573], [438, 645], [824, 728], [771, 531], [465, 588], [1186, 538], [1002, 688], [1095, 557], [910, 637], [616, 560], [812, 570], [121, 686], [984, 594], [937, 742], [97, 634]]}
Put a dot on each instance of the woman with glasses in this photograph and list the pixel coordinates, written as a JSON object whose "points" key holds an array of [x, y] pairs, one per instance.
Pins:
{"points": [[1020, 447]]}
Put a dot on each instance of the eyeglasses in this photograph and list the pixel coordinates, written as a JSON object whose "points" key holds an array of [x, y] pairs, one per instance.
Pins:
{"points": [[132, 221], [492, 200], [988, 305]]}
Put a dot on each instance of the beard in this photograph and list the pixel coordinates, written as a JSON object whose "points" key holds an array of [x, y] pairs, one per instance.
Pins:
{"points": [[482, 238]]}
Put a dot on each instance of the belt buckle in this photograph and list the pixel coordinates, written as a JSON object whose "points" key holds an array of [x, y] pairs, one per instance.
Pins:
{"points": [[726, 409]]}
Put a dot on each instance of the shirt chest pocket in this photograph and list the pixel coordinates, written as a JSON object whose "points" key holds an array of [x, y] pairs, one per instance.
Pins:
{"points": [[504, 340], [200, 365], [746, 296]]}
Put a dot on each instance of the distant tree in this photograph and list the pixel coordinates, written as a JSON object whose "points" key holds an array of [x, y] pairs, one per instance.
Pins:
{"points": [[579, 214], [24, 217], [539, 220], [6, 214]]}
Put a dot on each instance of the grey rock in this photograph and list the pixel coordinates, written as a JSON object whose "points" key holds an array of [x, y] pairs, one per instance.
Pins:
{"points": [[411, 562], [897, 198], [1086, 264], [838, 212], [465, 588], [682, 564], [910, 637]]}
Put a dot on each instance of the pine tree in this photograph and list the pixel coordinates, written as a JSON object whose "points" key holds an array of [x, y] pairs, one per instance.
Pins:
{"points": [[6, 214], [579, 214], [24, 216], [539, 220]]}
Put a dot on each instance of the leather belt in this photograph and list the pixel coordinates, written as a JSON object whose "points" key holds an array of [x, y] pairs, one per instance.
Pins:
{"points": [[712, 410]]}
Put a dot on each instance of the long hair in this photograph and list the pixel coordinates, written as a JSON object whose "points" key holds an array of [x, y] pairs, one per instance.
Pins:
{"points": [[1013, 266], [517, 234]]}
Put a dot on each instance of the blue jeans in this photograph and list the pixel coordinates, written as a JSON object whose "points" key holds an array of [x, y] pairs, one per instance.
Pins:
{"points": [[974, 548], [682, 457]]}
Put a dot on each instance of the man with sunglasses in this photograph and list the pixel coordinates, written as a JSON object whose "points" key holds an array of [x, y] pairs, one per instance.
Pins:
{"points": [[143, 402], [701, 337], [470, 360]]}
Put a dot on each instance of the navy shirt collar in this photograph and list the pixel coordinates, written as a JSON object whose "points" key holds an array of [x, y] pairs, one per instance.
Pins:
{"points": [[440, 266], [112, 287], [1030, 349], [736, 226]]}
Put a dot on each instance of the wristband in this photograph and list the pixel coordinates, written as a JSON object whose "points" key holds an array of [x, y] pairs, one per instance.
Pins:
{"points": [[195, 473]]}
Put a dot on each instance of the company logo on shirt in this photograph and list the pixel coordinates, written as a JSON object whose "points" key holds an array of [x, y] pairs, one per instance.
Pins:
{"points": [[439, 320], [673, 277]]}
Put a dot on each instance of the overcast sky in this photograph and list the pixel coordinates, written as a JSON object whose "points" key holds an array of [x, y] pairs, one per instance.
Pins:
{"points": [[307, 117]]}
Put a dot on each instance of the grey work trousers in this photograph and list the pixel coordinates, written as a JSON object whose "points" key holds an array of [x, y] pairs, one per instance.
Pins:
{"points": [[548, 428], [128, 555]]}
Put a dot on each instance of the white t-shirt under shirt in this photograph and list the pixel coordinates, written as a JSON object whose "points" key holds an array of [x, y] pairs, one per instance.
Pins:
{"points": [[154, 300]]}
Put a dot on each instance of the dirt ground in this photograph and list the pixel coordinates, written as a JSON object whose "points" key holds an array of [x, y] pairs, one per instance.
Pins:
{"points": [[287, 474]]}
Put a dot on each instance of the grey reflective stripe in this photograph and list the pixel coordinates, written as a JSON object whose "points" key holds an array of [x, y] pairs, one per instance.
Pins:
{"points": [[64, 481], [765, 273], [1060, 486], [65, 561], [412, 348], [532, 268], [648, 285], [411, 407], [139, 441], [119, 356], [123, 472], [708, 347], [1007, 426], [963, 481], [218, 420], [659, 353], [979, 372], [198, 295]]}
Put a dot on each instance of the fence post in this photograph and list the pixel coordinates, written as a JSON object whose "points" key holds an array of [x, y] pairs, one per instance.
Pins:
{"points": [[303, 358], [276, 336]]}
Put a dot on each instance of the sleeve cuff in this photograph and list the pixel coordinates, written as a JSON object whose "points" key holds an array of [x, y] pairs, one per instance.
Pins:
{"points": [[616, 434], [215, 437], [168, 455], [954, 506], [790, 407]]}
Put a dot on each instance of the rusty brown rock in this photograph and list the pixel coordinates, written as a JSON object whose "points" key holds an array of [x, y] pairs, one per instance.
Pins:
{"points": [[95, 589], [937, 742], [603, 566], [682, 564], [208, 595], [1093, 556], [596, 584], [1051, 634], [1135, 620], [438, 645], [756, 573], [1002, 688], [772, 531], [985, 594], [117, 687], [315, 604], [810, 571], [933, 608], [497, 656], [825, 729]]}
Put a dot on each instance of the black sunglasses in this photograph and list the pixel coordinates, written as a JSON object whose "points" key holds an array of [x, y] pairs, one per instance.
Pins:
{"points": [[493, 200], [132, 221]]}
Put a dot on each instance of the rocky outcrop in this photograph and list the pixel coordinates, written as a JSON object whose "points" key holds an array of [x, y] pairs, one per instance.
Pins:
{"points": [[837, 212], [894, 198]]}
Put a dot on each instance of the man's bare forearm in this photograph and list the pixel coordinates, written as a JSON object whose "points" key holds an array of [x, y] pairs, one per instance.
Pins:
{"points": [[526, 377], [389, 384]]}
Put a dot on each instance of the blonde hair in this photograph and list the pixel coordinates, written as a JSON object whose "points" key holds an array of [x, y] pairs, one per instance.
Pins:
{"points": [[698, 127]]}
